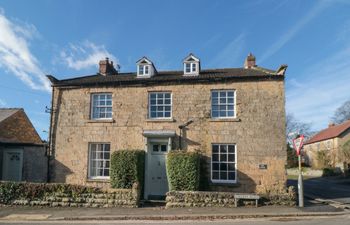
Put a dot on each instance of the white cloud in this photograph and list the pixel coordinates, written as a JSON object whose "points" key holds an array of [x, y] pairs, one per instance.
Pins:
{"points": [[15, 55], [323, 88], [286, 37], [2, 103], [85, 55], [228, 56]]}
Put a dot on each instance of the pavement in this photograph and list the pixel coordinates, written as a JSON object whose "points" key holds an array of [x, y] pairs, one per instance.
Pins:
{"points": [[160, 213]]}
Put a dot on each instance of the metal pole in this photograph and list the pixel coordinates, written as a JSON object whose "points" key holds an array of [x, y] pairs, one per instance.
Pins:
{"points": [[300, 185], [180, 147]]}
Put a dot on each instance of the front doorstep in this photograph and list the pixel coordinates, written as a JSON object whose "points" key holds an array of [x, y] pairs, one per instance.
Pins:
{"points": [[156, 197]]}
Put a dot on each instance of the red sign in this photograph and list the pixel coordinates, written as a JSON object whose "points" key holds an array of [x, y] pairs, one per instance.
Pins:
{"points": [[298, 143]]}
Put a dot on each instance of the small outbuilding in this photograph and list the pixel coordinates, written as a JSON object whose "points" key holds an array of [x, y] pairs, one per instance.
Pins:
{"points": [[22, 152]]}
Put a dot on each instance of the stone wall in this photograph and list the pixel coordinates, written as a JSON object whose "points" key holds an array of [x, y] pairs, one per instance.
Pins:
{"points": [[258, 131], [119, 198], [178, 199]]}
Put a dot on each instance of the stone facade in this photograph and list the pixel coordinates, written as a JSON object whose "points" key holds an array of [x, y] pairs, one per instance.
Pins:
{"points": [[258, 129], [331, 146]]}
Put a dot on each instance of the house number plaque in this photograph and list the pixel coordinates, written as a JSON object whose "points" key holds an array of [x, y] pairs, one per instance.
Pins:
{"points": [[263, 166]]}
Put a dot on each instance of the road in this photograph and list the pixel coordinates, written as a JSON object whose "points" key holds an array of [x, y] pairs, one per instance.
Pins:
{"points": [[337, 190], [338, 220]]}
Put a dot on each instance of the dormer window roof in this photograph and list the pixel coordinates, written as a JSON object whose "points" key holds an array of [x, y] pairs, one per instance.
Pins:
{"points": [[191, 65], [145, 68]]}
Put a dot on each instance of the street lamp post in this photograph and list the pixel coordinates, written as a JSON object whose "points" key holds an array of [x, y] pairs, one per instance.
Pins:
{"points": [[181, 127]]}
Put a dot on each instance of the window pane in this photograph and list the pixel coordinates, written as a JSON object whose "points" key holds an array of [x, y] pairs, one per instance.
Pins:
{"points": [[214, 94], [155, 148], [188, 67], [223, 175], [222, 94], [215, 176], [167, 95], [215, 114], [223, 148], [231, 175], [215, 148], [231, 148], [231, 166], [223, 166], [215, 166], [230, 93], [194, 66], [223, 157], [163, 148], [167, 114], [231, 157], [230, 114], [215, 157]]}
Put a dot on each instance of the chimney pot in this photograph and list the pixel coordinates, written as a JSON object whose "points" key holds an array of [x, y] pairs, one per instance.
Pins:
{"points": [[250, 61], [106, 67]]}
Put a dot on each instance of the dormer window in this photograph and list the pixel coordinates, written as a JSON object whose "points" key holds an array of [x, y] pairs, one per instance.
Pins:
{"points": [[145, 68], [191, 65]]}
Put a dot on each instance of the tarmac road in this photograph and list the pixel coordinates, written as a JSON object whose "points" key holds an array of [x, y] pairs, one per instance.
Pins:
{"points": [[333, 189], [338, 220]]}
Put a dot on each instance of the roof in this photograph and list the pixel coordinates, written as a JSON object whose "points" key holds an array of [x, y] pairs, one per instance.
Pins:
{"points": [[169, 76], [330, 132], [7, 112]]}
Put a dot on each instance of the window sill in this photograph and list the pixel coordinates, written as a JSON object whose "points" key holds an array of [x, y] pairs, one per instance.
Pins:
{"points": [[98, 180], [160, 120], [102, 121], [237, 184], [225, 120]]}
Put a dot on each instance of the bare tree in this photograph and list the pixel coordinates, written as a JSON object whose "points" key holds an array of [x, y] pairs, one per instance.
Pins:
{"points": [[342, 113], [295, 127]]}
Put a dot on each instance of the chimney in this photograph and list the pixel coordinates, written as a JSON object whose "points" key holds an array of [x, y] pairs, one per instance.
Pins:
{"points": [[331, 124], [249, 61], [106, 67]]}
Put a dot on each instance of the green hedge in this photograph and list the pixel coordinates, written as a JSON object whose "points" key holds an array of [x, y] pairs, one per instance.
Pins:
{"points": [[183, 170], [36, 191], [127, 168]]}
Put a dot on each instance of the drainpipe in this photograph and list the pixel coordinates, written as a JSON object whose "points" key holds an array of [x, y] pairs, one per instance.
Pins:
{"points": [[49, 147]]}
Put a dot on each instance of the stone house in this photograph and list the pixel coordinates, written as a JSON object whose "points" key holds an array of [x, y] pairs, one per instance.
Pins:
{"points": [[329, 140], [22, 152], [235, 117]]}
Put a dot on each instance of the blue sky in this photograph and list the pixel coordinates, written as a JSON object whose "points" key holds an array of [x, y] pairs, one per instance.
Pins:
{"points": [[68, 38]]}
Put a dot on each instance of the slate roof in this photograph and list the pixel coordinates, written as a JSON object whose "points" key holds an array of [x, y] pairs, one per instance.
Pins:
{"points": [[169, 76], [16, 128], [6, 113], [330, 132]]}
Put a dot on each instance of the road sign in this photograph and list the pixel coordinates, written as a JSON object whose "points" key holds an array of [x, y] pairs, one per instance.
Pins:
{"points": [[298, 143]]}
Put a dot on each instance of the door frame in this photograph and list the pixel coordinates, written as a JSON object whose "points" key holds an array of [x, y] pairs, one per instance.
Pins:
{"points": [[5, 162], [149, 141]]}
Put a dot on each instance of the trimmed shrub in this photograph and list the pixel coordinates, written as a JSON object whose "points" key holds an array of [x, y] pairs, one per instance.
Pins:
{"points": [[183, 170], [328, 172], [127, 168]]}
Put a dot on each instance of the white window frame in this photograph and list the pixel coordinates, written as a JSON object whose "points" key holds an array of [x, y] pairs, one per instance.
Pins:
{"points": [[192, 66], [100, 106], [226, 104], [143, 70], [220, 181], [103, 160], [163, 105]]}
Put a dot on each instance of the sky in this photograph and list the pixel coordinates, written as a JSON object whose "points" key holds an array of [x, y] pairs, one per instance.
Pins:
{"points": [[68, 38]]}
